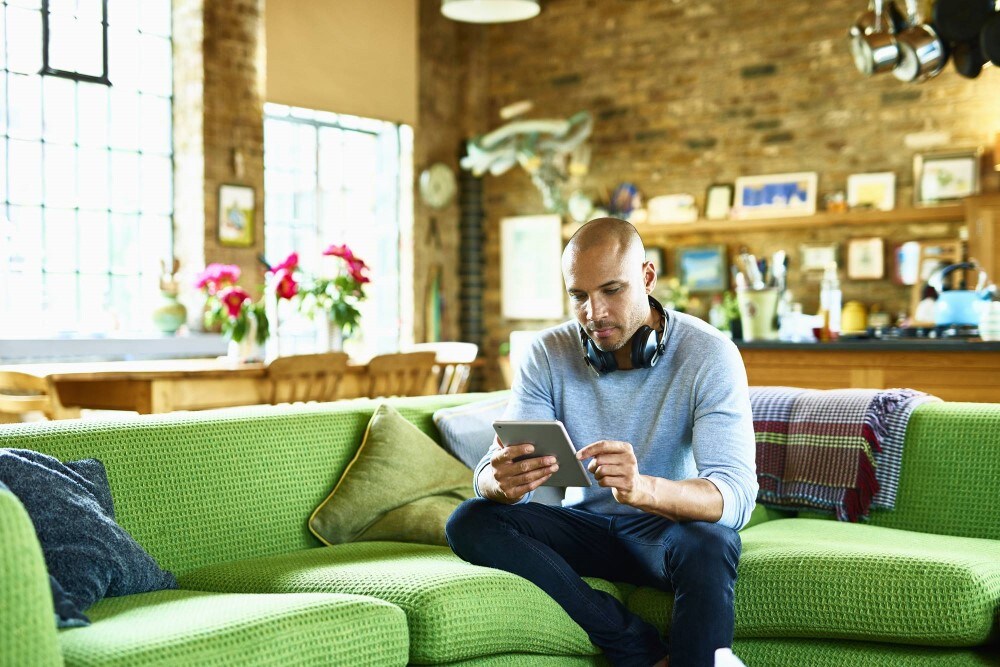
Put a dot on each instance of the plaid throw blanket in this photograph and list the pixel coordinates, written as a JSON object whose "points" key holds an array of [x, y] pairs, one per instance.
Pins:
{"points": [[836, 451]]}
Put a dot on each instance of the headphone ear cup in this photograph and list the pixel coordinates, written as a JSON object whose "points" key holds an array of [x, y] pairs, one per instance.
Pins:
{"points": [[601, 361], [640, 341]]}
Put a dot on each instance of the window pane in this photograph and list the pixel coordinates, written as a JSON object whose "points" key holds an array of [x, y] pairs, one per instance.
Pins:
{"points": [[154, 17], [61, 299], [94, 303], [155, 124], [60, 240], [75, 44], [60, 175], [26, 177], [94, 242], [92, 119], [125, 177], [26, 250], [123, 15], [24, 40], [59, 97], [157, 193], [124, 243], [122, 298], [3, 182], [123, 58], [331, 173], [93, 178], [156, 66], [124, 119], [25, 106], [154, 241]]}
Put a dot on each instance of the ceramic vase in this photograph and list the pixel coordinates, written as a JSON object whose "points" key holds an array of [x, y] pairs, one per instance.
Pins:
{"points": [[334, 337], [170, 315], [242, 351]]}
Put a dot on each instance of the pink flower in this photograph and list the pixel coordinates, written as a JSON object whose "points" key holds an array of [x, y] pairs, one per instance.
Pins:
{"points": [[285, 285], [358, 270], [339, 251], [233, 298], [290, 263], [216, 276]]}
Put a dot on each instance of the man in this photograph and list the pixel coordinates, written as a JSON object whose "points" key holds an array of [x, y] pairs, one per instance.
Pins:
{"points": [[669, 436]]}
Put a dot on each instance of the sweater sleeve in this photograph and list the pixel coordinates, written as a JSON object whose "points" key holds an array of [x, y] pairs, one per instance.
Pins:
{"points": [[531, 398], [723, 441]]}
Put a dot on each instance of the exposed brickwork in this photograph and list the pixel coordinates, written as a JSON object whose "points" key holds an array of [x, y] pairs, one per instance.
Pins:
{"points": [[692, 92]]}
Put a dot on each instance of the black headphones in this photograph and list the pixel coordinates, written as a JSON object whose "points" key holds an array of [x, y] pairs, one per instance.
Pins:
{"points": [[647, 346]]}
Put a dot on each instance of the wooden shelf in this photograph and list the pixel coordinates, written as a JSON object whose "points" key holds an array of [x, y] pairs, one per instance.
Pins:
{"points": [[947, 213]]}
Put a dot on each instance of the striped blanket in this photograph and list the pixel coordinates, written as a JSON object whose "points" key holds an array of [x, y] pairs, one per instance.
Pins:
{"points": [[836, 451]]}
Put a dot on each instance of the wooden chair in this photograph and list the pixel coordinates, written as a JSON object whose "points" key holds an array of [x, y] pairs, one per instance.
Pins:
{"points": [[401, 374], [306, 377], [22, 394], [454, 364]]}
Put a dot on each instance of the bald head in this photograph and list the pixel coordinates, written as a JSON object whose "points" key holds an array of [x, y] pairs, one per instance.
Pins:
{"points": [[611, 235]]}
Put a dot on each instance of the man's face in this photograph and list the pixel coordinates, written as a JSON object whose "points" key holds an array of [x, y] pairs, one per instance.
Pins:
{"points": [[607, 290]]}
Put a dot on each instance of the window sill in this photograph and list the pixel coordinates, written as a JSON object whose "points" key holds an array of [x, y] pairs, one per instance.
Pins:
{"points": [[122, 346]]}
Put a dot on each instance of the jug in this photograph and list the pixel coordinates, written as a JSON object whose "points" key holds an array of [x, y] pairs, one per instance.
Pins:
{"points": [[959, 306]]}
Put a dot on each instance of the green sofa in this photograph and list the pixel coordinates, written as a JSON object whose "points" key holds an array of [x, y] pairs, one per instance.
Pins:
{"points": [[221, 499]]}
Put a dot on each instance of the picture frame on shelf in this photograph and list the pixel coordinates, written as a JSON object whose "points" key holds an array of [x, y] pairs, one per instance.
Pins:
{"points": [[719, 201], [906, 261], [656, 256], [237, 206], [816, 256], [775, 196], [703, 268], [866, 258], [531, 241], [946, 177], [876, 191]]}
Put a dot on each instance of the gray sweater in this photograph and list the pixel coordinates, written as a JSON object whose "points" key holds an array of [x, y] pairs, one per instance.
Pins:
{"points": [[688, 416]]}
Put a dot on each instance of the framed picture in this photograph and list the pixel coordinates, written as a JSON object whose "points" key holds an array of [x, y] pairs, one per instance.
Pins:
{"points": [[655, 255], [236, 215], [775, 196], [941, 178], [531, 283], [876, 191], [703, 268], [865, 259], [816, 256], [718, 201]]}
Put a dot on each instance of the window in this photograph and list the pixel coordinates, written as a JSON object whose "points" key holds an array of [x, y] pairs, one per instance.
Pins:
{"points": [[86, 169], [333, 178]]}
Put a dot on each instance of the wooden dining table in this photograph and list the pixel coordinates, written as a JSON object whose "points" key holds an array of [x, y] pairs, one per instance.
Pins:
{"points": [[165, 385]]}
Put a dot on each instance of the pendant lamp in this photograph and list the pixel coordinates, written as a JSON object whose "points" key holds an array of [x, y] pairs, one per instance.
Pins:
{"points": [[490, 11]]}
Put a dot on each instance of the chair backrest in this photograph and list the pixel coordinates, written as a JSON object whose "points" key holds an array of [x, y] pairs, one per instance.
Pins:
{"points": [[454, 364], [306, 377], [401, 374], [21, 393]]}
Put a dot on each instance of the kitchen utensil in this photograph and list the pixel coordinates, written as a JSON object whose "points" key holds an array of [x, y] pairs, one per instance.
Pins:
{"points": [[968, 59], [757, 308], [959, 306], [854, 318], [922, 53], [873, 42], [960, 20], [779, 269], [989, 37]]}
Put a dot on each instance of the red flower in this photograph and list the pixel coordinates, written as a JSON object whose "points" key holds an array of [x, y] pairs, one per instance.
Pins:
{"points": [[285, 285], [358, 270], [216, 276], [233, 298], [339, 251], [290, 263]]}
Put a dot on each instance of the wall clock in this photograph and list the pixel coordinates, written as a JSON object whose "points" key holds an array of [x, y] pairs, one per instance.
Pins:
{"points": [[438, 185]]}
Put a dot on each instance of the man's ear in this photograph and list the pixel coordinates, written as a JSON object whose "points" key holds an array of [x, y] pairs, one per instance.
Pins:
{"points": [[649, 276]]}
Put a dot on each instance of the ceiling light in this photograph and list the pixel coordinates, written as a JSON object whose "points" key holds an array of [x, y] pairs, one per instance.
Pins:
{"points": [[490, 11]]}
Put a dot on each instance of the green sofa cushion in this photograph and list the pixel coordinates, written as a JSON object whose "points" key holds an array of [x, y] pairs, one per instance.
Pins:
{"points": [[396, 465], [810, 578], [834, 653], [180, 627], [454, 609]]}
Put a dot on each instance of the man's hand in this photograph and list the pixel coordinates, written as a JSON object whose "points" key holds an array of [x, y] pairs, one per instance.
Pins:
{"points": [[512, 479], [614, 465]]}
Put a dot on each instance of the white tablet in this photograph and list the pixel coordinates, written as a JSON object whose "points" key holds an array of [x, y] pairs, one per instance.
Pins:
{"points": [[550, 439]]}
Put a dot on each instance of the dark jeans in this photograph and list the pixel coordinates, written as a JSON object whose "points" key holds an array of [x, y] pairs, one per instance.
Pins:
{"points": [[554, 547]]}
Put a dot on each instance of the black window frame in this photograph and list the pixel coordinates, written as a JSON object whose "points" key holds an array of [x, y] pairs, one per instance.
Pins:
{"points": [[75, 76]]}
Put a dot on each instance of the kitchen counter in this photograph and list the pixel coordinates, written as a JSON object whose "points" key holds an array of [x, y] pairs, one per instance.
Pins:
{"points": [[951, 369]]}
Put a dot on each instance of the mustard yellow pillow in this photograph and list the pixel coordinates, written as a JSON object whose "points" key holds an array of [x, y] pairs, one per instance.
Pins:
{"points": [[401, 486]]}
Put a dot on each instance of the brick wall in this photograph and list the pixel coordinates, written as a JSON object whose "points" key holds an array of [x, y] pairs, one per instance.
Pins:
{"points": [[692, 92]]}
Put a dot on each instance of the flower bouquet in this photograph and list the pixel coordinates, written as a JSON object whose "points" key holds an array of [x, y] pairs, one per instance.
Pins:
{"points": [[230, 306], [337, 297]]}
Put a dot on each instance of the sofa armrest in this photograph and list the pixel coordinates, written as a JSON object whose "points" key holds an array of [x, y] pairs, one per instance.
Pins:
{"points": [[28, 629]]}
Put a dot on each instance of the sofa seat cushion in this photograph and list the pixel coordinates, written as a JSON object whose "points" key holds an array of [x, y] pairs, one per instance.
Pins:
{"points": [[453, 609], [181, 627], [814, 578]]}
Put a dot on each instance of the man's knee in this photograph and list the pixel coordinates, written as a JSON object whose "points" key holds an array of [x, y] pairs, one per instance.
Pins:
{"points": [[706, 548], [466, 522]]}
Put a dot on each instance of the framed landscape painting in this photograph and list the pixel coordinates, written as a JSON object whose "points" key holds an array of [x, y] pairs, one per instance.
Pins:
{"points": [[775, 196]]}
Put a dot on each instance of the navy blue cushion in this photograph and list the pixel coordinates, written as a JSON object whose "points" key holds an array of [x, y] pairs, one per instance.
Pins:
{"points": [[88, 555]]}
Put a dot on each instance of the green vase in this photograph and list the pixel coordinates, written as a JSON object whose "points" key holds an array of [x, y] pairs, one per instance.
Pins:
{"points": [[170, 315]]}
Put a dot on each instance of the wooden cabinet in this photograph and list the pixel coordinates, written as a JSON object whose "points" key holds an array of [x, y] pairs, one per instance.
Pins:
{"points": [[983, 215], [952, 371]]}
